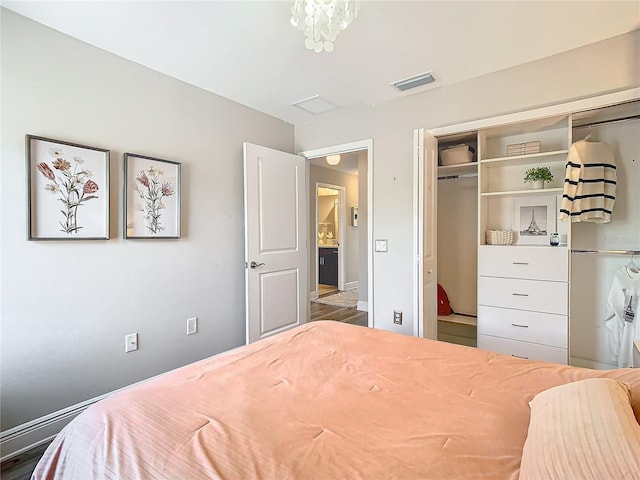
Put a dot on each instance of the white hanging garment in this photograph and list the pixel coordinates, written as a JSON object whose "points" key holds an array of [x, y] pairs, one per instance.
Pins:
{"points": [[622, 319]]}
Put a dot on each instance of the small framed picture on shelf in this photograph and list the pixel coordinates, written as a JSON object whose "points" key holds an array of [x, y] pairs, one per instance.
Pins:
{"points": [[68, 190], [534, 219], [151, 197]]}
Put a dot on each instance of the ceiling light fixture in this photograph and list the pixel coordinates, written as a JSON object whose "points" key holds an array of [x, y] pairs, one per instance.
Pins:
{"points": [[333, 159], [322, 20]]}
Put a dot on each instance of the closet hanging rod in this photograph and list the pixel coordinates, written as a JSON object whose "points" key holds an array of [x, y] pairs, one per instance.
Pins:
{"points": [[453, 177], [607, 252], [602, 122]]}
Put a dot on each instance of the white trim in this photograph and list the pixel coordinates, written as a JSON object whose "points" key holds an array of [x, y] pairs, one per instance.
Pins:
{"points": [[418, 225], [338, 149], [313, 295], [346, 148], [35, 432], [350, 285], [362, 306], [575, 106]]}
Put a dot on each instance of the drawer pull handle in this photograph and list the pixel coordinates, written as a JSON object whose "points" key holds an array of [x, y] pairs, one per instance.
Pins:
{"points": [[521, 326], [520, 294], [518, 356], [521, 263]]}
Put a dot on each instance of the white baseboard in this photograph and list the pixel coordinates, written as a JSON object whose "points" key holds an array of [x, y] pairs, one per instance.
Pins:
{"points": [[363, 306], [31, 434], [34, 433], [313, 295], [350, 285]]}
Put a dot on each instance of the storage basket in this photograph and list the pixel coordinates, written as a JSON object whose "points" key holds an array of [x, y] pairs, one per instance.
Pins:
{"points": [[499, 237], [456, 155]]}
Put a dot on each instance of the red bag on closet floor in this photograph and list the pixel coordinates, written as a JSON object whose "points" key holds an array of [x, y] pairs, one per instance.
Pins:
{"points": [[444, 308]]}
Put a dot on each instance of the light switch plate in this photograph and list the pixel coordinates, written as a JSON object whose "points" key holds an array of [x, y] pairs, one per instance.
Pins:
{"points": [[130, 342], [381, 245]]}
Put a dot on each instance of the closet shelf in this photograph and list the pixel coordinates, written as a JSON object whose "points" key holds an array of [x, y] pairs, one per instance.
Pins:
{"points": [[523, 159], [461, 169], [461, 319], [540, 191]]}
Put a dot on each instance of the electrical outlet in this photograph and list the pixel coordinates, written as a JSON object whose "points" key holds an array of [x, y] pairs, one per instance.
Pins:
{"points": [[192, 325], [130, 342], [397, 317]]}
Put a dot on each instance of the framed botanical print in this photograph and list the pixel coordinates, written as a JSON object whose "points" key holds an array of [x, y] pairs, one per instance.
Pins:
{"points": [[68, 188], [151, 197]]}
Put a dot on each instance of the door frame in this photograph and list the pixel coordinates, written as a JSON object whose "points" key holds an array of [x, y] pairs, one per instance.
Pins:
{"points": [[362, 145], [342, 218]]}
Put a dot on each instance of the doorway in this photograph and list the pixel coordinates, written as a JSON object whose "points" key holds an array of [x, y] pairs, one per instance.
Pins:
{"points": [[330, 238], [356, 219]]}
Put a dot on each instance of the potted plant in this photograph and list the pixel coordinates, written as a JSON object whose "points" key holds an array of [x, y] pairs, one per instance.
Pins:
{"points": [[537, 176]]}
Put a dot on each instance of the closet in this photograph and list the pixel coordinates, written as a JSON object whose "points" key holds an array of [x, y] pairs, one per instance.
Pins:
{"points": [[495, 242], [598, 250], [457, 199]]}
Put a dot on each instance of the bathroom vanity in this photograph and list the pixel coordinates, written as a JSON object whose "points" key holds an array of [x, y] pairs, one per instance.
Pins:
{"points": [[328, 265]]}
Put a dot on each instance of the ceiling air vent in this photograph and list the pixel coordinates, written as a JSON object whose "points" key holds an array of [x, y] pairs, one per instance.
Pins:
{"points": [[414, 82]]}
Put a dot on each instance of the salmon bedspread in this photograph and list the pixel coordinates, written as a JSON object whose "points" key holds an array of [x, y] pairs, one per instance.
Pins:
{"points": [[326, 400]]}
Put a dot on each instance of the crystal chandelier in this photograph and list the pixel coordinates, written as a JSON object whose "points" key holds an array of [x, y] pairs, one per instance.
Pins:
{"points": [[322, 20]]}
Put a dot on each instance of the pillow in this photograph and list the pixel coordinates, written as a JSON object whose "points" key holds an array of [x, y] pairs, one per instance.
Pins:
{"points": [[582, 430]]}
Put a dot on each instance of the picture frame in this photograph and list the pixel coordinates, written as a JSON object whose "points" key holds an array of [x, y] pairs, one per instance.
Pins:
{"points": [[68, 190], [151, 197], [534, 219]]}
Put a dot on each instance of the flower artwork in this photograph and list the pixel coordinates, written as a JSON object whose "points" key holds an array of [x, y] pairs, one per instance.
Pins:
{"points": [[69, 190], [152, 197], [151, 190], [71, 184]]}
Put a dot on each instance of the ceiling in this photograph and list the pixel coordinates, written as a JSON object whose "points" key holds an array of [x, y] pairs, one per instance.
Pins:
{"points": [[250, 53], [348, 163]]}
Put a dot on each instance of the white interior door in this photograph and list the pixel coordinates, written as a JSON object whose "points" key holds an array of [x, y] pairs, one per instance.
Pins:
{"points": [[426, 148], [275, 241]]}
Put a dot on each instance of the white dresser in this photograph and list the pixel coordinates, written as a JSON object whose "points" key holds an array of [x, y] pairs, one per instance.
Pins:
{"points": [[523, 301]]}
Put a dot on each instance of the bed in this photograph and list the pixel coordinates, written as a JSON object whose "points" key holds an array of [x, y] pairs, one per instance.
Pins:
{"points": [[326, 400]]}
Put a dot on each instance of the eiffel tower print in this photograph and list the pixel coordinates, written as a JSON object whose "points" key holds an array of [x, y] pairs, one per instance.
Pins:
{"points": [[533, 229]]}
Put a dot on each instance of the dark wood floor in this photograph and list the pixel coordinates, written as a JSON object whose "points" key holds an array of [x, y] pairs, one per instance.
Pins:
{"points": [[21, 467], [320, 311]]}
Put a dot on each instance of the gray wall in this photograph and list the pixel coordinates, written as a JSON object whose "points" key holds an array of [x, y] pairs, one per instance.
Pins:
{"points": [[350, 182], [595, 69], [67, 305]]}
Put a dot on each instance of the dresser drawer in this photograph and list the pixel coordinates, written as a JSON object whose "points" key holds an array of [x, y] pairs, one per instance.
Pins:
{"points": [[534, 295], [516, 348], [535, 263], [533, 327]]}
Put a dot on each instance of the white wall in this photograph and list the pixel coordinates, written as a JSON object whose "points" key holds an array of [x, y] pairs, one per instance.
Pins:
{"points": [[67, 305], [599, 68], [363, 208], [350, 182], [457, 242]]}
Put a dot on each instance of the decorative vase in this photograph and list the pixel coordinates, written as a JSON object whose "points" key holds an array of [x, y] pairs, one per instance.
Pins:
{"points": [[537, 184]]}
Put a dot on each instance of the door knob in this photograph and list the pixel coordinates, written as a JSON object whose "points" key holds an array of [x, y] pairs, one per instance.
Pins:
{"points": [[254, 264]]}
